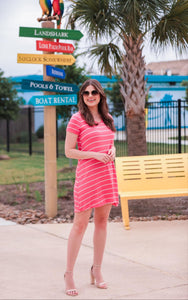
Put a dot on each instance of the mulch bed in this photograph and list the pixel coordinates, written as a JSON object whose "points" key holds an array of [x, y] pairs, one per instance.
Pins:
{"points": [[25, 204]]}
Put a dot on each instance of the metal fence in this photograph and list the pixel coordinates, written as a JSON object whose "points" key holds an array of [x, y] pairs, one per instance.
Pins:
{"points": [[166, 130], [167, 124]]}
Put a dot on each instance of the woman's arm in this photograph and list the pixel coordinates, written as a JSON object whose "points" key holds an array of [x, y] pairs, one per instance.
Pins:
{"points": [[72, 152]]}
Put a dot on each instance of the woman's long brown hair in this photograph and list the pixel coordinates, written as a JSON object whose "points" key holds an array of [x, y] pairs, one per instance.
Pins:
{"points": [[102, 106]]}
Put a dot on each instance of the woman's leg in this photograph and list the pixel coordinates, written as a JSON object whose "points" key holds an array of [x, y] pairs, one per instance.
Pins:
{"points": [[100, 219], [80, 223]]}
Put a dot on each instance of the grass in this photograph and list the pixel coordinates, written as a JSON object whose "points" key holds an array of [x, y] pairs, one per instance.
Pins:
{"points": [[159, 148], [184, 138], [121, 148], [36, 147], [22, 168], [62, 191]]}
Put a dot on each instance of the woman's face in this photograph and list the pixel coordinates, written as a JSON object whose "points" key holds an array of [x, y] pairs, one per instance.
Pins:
{"points": [[91, 96]]}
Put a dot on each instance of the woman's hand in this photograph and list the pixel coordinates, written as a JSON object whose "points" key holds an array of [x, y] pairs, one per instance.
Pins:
{"points": [[106, 157], [103, 157], [112, 153]]}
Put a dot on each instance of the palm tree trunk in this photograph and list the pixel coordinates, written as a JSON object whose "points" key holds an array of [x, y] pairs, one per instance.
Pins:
{"points": [[133, 93], [136, 135]]}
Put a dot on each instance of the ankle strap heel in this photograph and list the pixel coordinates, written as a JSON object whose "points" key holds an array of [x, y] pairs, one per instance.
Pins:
{"points": [[100, 285], [73, 291], [96, 266]]}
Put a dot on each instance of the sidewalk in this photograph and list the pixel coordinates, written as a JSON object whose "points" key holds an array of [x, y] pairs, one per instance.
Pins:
{"points": [[150, 261]]}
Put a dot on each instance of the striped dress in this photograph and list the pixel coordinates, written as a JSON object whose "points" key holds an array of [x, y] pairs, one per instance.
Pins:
{"points": [[96, 182]]}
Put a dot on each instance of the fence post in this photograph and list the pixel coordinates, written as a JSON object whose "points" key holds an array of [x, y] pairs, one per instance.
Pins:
{"points": [[179, 125], [8, 136], [30, 130]]}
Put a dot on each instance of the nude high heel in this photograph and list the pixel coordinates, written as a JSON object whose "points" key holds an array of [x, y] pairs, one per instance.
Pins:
{"points": [[100, 285], [70, 292]]}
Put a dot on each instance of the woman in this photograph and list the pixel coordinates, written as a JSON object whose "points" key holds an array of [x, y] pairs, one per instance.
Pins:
{"points": [[92, 131]]}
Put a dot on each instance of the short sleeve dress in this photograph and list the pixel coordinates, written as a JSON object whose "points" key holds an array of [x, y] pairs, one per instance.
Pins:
{"points": [[96, 182]]}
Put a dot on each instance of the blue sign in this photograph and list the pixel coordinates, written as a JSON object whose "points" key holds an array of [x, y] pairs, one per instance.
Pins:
{"points": [[49, 86], [51, 100], [55, 72]]}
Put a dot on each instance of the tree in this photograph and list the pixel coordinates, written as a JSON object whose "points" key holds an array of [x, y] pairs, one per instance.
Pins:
{"points": [[9, 100], [124, 24], [115, 98]]}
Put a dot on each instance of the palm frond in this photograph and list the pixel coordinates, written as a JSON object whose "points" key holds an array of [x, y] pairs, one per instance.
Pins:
{"points": [[96, 16], [173, 27], [151, 12], [139, 16], [108, 57]]}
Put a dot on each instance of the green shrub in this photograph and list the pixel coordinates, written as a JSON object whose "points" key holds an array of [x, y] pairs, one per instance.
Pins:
{"points": [[38, 196], [23, 137], [40, 132]]}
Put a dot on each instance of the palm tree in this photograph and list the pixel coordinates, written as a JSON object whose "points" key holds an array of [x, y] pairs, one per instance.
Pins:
{"points": [[125, 24]]}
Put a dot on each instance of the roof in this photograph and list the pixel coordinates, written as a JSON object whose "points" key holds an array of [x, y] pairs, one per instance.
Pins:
{"points": [[165, 78], [106, 80], [174, 67]]}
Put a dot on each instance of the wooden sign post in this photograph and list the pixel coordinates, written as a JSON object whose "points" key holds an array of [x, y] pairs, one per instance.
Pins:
{"points": [[50, 164], [50, 87]]}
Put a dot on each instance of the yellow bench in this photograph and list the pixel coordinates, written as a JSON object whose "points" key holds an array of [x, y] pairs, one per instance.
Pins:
{"points": [[154, 176]]}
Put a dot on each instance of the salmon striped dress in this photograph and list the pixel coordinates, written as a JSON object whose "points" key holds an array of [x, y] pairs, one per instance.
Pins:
{"points": [[96, 182]]}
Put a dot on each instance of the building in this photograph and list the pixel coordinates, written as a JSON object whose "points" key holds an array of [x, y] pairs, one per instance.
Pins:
{"points": [[160, 85], [173, 67], [163, 87]]}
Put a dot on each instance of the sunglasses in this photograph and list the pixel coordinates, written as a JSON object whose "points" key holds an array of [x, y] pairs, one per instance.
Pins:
{"points": [[93, 93]]}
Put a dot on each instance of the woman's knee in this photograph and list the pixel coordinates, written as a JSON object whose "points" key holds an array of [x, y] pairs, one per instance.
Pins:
{"points": [[81, 221], [101, 222], [80, 226], [101, 217]]}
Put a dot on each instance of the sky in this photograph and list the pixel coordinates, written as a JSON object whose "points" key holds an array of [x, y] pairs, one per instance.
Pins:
{"points": [[22, 13]]}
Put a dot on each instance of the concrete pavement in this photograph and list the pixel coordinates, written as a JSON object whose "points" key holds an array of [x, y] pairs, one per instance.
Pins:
{"points": [[150, 261]]}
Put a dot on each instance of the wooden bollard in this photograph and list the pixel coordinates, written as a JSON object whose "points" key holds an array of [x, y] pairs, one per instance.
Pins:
{"points": [[50, 146]]}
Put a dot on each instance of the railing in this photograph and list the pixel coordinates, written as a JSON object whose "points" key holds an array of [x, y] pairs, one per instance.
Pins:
{"points": [[166, 130]]}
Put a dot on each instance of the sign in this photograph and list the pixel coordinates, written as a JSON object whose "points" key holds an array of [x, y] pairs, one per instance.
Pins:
{"points": [[51, 100], [49, 86], [45, 59], [55, 72], [54, 47], [50, 33]]}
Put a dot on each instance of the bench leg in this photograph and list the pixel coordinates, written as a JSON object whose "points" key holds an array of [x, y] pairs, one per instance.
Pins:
{"points": [[125, 211]]}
